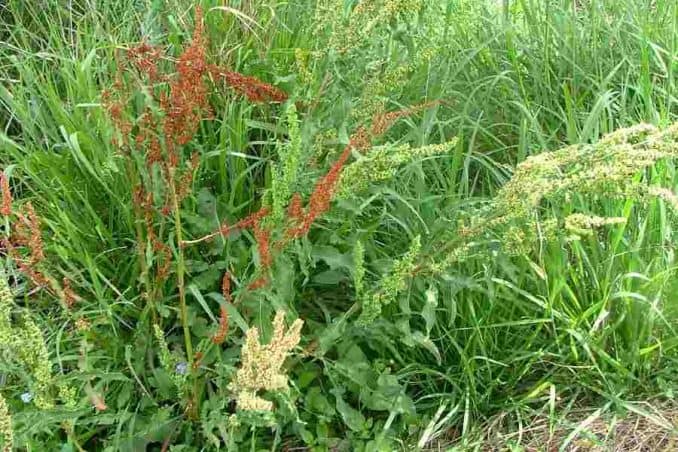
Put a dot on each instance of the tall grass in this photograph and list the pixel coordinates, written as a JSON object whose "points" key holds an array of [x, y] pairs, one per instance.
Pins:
{"points": [[560, 325]]}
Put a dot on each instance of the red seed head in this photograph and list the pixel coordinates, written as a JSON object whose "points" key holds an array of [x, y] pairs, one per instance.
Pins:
{"points": [[263, 239], [295, 211], [382, 122], [35, 244], [250, 87], [26, 234], [69, 296], [145, 58], [220, 335], [226, 286], [258, 283], [6, 204]]}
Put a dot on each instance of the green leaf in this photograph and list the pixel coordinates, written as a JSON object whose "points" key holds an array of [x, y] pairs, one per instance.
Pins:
{"points": [[330, 336], [427, 343], [429, 310], [317, 402], [307, 375], [284, 280], [330, 277], [332, 257], [351, 417], [207, 279]]}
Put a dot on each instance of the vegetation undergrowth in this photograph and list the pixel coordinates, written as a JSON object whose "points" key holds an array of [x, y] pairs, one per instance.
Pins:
{"points": [[333, 225]]}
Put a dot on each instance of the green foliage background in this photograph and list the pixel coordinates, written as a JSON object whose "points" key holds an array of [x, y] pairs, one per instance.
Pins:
{"points": [[555, 326]]}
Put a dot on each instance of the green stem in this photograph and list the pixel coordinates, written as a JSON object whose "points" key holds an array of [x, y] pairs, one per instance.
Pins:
{"points": [[181, 271], [194, 401], [141, 249]]}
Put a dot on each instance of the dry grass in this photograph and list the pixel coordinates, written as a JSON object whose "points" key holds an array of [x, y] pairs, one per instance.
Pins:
{"points": [[647, 426]]}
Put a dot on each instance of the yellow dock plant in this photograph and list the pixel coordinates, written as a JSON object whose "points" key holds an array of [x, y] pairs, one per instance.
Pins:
{"points": [[381, 163], [524, 212], [390, 286], [261, 365], [6, 432], [25, 345]]}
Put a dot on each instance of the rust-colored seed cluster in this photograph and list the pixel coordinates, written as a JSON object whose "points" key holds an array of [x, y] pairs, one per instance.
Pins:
{"points": [[258, 283], [322, 195], [69, 296], [197, 360], [26, 234], [220, 335], [226, 287], [263, 239], [147, 137], [6, 204], [251, 87], [187, 98], [295, 210], [145, 58], [143, 203], [382, 122], [246, 223], [114, 100]]}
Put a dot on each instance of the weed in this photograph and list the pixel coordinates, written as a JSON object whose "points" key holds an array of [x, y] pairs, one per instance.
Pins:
{"points": [[468, 206]]}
